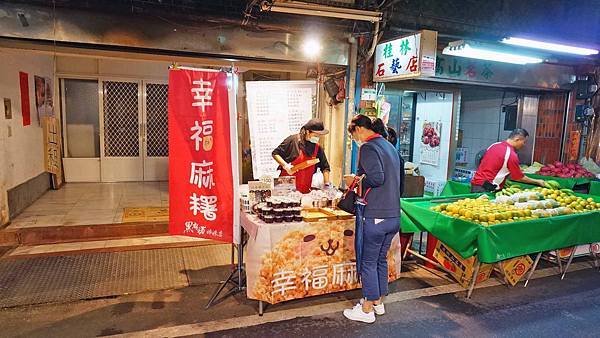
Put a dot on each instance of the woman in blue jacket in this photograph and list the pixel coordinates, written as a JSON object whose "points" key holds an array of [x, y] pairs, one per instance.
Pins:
{"points": [[380, 164]]}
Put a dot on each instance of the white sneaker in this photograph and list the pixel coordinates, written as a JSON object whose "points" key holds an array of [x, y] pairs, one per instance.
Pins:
{"points": [[357, 314], [379, 309]]}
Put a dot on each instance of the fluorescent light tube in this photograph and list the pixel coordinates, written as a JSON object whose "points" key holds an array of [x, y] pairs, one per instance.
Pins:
{"points": [[465, 50], [555, 47]]}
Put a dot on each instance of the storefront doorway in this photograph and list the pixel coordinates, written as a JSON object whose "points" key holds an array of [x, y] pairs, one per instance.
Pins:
{"points": [[135, 131], [115, 130]]}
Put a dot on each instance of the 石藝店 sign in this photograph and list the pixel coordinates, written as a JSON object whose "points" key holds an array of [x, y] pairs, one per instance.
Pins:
{"points": [[407, 57], [203, 167]]}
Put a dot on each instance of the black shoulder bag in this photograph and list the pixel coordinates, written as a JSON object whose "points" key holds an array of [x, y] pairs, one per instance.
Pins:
{"points": [[347, 201]]}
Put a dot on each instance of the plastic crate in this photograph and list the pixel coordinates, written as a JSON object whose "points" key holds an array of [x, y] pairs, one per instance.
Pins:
{"points": [[434, 187], [464, 173]]}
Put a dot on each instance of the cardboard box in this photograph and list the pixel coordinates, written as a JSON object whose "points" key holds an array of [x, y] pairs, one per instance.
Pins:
{"points": [[460, 268], [515, 268], [580, 251]]}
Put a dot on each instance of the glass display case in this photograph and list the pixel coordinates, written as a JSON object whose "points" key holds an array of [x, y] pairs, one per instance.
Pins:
{"points": [[406, 127], [402, 115]]}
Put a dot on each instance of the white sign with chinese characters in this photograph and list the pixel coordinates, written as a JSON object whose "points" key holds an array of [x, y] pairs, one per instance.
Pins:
{"points": [[52, 155], [276, 110], [368, 94], [408, 57]]}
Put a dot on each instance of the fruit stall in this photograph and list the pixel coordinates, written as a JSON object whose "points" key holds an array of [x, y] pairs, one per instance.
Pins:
{"points": [[568, 175], [519, 221]]}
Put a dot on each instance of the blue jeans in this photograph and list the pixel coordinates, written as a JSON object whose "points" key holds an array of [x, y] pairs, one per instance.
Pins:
{"points": [[374, 267]]}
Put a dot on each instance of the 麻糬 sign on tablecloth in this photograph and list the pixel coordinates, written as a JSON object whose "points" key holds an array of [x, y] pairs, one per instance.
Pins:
{"points": [[203, 167], [295, 260]]}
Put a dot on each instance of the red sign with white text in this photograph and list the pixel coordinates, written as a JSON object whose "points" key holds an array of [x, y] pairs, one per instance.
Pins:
{"points": [[201, 182]]}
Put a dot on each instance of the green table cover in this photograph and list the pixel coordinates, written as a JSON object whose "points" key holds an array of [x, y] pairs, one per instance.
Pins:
{"points": [[456, 188], [595, 188], [507, 240], [567, 183], [453, 188]]}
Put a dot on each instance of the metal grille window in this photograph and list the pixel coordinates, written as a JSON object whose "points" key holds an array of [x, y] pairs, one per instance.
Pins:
{"points": [[157, 131], [121, 119]]}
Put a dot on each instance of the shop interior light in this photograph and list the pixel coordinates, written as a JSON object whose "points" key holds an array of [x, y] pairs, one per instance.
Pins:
{"points": [[554, 47], [311, 47], [466, 49]]}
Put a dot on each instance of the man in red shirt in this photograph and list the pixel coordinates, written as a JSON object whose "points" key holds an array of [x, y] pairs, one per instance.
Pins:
{"points": [[499, 161]]}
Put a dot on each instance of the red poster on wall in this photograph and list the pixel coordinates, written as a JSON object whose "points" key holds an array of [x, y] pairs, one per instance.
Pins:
{"points": [[25, 109], [203, 169]]}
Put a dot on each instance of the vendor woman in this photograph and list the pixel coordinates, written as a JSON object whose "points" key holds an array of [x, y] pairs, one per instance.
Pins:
{"points": [[299, 148]]}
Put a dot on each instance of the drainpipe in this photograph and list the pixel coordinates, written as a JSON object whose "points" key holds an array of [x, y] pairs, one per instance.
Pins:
{"points": [[350, 104]]}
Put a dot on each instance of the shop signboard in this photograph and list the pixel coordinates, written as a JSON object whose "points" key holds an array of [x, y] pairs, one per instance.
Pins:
{"points": [[468, 70], [203, 168], [296, 260], [408, 57], [416, 57]]}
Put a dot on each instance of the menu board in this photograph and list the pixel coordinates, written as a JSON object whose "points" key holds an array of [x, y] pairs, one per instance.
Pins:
{"points": [[276, 110]]}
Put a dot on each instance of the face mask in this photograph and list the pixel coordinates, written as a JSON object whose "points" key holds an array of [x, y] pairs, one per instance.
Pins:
{"points": [[314, 139]]}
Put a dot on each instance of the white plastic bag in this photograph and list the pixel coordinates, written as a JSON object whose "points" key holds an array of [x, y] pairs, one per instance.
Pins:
{"points": [[318, 181]]}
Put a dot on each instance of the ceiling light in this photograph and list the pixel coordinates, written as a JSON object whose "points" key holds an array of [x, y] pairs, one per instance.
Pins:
{"points": [[475, 51], [555, 47], [311, 47]]}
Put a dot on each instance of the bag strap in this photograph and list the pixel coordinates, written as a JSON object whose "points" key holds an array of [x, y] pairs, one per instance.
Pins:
{"points": [[366, 193], [353, 186], [316, 152]]}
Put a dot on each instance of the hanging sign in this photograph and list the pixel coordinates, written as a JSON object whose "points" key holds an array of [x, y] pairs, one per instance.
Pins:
{"points": [[25, 109], [408, 57], [203, 167], [368, 94]]}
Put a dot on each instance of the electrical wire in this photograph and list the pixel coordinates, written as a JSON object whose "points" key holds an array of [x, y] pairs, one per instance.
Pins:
{"points": [[500, 114]]}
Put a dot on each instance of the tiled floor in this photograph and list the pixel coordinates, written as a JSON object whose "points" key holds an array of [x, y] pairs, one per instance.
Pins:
{"points": [[91, 203]]}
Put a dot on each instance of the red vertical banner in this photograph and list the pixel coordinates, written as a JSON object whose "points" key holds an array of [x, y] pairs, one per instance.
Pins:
{"points": [[202, 173], [25, 107]]}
